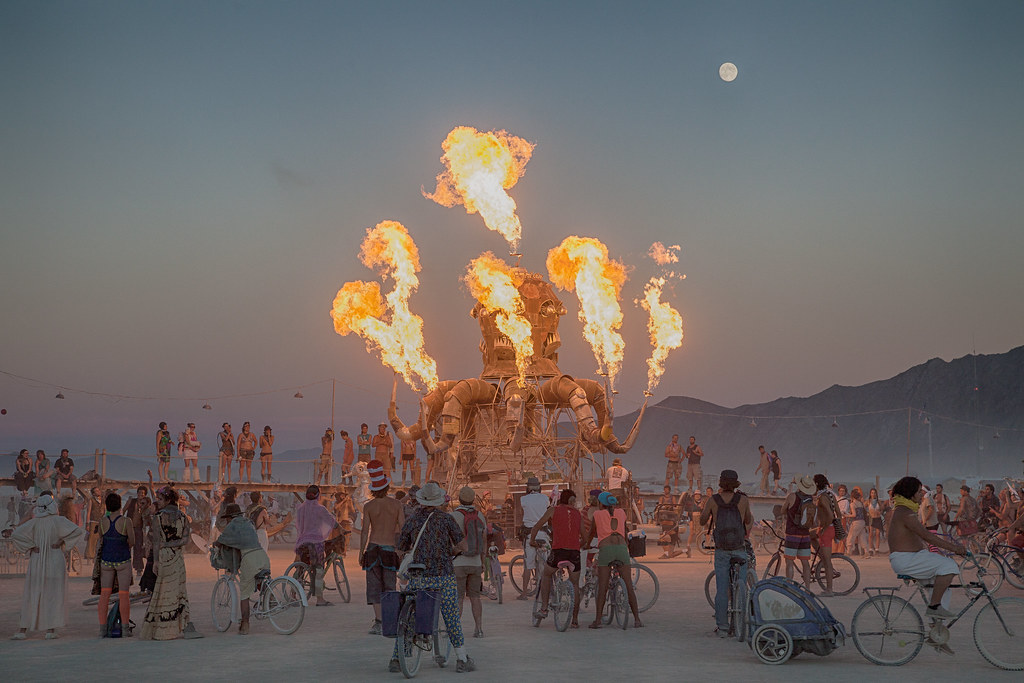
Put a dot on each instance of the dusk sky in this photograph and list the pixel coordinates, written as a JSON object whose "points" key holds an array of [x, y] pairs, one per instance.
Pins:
{"points": [[184, 187]]}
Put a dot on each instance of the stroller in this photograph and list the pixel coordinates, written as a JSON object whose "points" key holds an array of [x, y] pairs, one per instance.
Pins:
{"points": [[785, 620]]}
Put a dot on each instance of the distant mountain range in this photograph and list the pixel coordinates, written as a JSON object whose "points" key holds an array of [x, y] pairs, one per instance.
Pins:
{"points": [[963, 418]]}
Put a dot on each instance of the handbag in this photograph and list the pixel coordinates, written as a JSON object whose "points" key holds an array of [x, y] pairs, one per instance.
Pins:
{"points": [[403, 568]]}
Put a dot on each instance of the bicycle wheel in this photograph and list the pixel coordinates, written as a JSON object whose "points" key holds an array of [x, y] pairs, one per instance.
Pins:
{"points": [[282, 605], [772, 568], [534, 619], [515, 573], [442, 645], [740, 610], [999, 633], [701, 538], [645, 585], [300, 572], [711, 586], [1014, 560], [497, 578], [619, 599], [772, 644], [887, 630], [222, 603], [981, 569], [845, 574], [408, 652], [563, 599], [341, 580]]}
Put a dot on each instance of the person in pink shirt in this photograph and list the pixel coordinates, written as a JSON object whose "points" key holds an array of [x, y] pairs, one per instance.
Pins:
{"points": [[610, 529]]}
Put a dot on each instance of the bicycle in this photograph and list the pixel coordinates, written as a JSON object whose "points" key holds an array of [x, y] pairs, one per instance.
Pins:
{"points": [[850, 571], [638, 572], [493, 575], [888, 630], [411, 644], [562, 598], [616, 606], [280, 600], [518, 564], [1001, 561], [711, 585], [334, 560]]}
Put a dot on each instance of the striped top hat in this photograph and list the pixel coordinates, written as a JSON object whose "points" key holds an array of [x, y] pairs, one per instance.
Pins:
{"points": [[378, 480]]}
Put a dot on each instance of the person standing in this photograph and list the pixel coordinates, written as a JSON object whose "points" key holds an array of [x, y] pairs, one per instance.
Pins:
{"points": [[858, 523], [383, 518], [188, 447], [797, 545], [765, 468], [468, 565], [617, 476], [694, 473], [942, 508], [43, 538], [384, 448], [115, 560], [728, 512], [823, 535], [227, 453], [873, 506], [314, 525], [533, 505], [674, 466], [566, 540], [345, 513], [776, 464], [163, 452], [323, 468], [139, 512], [168, 612], [246, 452], [347, 459], [95, 504], [65, 470], [441, 539], [257, 514], [843, 505], [266, 453], [408, 450], [363, 441]]}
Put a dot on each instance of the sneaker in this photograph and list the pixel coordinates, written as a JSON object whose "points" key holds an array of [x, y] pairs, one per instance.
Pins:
{"points": [[20, 635], [103, 630], [465, 665], [52, 635], [375, 629], [939, 612], [394, 667], [479, 633]]}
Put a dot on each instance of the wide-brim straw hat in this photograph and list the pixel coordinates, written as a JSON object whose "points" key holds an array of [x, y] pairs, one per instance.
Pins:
{"points": [[805, 484]]}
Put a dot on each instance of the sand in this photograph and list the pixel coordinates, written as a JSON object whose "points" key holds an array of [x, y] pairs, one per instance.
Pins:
{"points": [[333, 642]]}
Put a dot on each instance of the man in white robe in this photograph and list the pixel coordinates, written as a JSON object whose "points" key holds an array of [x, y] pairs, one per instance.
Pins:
{"points": [[44, 601]]}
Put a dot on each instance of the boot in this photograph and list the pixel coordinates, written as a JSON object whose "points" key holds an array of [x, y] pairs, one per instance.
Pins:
{"points": [[243, 627], [195, 474], [186, 476]]}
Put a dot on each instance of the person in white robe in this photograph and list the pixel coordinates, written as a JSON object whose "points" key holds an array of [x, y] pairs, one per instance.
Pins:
{"points": [[43, 538]]}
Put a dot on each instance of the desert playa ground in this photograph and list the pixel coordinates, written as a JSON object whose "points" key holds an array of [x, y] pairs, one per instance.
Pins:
{"points": [[333, 642]]}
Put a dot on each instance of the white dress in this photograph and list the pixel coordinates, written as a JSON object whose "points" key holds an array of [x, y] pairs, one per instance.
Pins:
{"points": [[44, 600]]}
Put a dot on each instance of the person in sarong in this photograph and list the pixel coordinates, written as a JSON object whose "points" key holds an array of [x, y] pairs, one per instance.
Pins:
{"points": [[239, 534], [168, 615], [44, 537]]}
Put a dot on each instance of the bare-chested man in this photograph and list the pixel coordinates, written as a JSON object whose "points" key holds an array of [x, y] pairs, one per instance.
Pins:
{"points": [[323, 469], [909, 554], [384, 448], [383, 518]]}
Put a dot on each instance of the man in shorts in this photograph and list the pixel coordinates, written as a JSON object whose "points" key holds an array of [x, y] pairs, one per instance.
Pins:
{"points": [[408, 459], [383, 518], [764, 467], [674, 466], [227, 452], [909, 554], [323, 469], [65, 469], [797, 545], [566, 539], [694, 473], [469, 568], [533, 504], [384, 448]]}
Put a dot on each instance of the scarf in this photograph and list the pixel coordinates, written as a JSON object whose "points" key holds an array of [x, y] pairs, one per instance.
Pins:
{"points": [[45, 506], [900, 501]]}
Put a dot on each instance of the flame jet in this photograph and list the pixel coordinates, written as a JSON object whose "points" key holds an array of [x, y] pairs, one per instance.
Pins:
{"points": [[494, 284], [479, 167], [665, 326], [359, 307], [581, 264]]}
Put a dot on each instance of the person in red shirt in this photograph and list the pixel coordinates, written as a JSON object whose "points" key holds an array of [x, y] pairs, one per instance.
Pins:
{"points": [[566, 538]]}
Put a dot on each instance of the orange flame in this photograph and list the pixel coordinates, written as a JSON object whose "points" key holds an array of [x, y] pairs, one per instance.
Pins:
{"points": [[663, 255], [358, 307], [495, 285], [582, 264], [665, 326], [479, 168]]}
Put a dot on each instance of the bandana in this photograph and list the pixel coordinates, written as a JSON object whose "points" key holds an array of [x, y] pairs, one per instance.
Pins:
{"points": [[900, 501]]}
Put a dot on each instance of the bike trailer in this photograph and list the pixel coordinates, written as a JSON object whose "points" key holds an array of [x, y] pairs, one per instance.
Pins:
{"points": [[428, 606], [785, 620]]}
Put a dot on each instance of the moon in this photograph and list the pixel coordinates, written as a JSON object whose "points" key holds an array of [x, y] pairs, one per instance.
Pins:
{"points": [[728, 72]]}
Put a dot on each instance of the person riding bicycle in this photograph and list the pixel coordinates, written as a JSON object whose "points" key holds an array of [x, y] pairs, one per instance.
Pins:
{"points": [[729, 512], [566, 538], [909, 554], [441, 539], [533, 504], [314, 524], [247, 555], [610, 529]]}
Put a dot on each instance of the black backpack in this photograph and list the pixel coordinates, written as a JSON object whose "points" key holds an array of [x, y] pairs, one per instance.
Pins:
{"points": [[729, 531]]}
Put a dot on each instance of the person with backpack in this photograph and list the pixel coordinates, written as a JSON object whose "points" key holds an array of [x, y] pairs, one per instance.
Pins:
{"points": [[566, 539], [469, 564], [730, 517], [800, 519], [824, 535]]}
